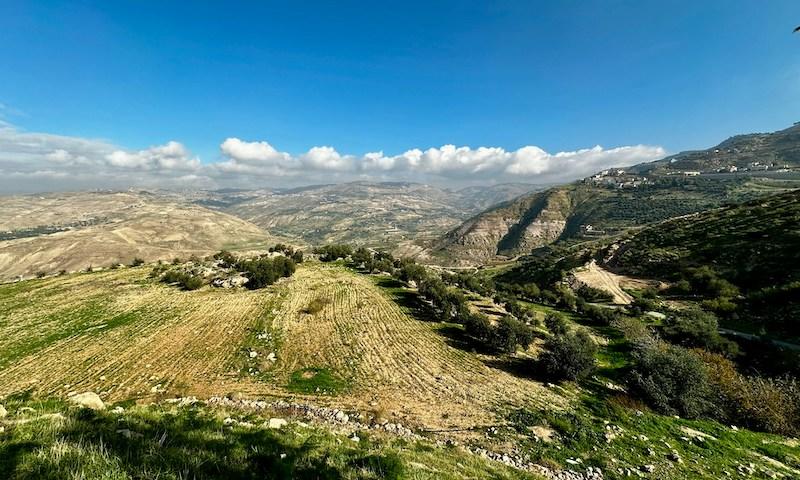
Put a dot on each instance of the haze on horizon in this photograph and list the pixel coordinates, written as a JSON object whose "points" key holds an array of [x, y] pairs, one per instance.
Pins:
{"points": [[138, 94]]}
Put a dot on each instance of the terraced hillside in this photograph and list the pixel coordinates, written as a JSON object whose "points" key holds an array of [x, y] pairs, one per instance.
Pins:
{"points": [[568, 212], [375, 214], [755, 246], [124, 336], [73, 231]]}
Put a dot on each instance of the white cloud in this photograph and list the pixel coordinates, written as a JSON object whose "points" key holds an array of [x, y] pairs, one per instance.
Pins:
{"points": [[448, 163], [32, 162], [35, 162], [172, 156]]}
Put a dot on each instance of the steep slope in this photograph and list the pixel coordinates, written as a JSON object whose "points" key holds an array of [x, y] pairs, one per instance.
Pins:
{"points": [[754, 246], [740, 168], [586, 211], [376, 214], [76, 230], [524, 223], [772, 151]]}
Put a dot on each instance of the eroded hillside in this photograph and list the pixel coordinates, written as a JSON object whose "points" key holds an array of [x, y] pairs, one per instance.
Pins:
{"points": [[75, 231]]}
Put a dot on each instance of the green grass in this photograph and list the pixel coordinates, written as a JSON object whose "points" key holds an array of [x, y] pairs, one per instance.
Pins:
{"points": [[603, 433], [317, 381], [54, 441]]}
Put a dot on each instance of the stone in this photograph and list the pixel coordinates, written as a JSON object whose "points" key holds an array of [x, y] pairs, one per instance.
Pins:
{"points": [[648, 468], [129, 434], [88, 400], [674, 457], [117, 410], [3, 412], [276, 423], [253, 354]]}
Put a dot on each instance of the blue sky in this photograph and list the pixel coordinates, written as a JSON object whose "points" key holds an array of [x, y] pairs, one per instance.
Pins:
{"points": [[373, 77]]}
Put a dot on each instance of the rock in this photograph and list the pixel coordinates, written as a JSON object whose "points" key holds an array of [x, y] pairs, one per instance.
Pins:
{"points": [[128, 434], [88, 400], [118, 410], [3, 412], [271, 356], [674, 457], [253, 354], [648, 468], [276, 423], [355, 438]]}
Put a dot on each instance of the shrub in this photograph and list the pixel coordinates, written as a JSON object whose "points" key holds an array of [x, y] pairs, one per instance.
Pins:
{"points": [[508, 334], [671, 379], [772, 405], [361, 256], [410, 271], [695, 328], [569, 356], [265, 271], [329, 253], [40, 274], [137, 262], [478, 327], [182, 279], [591, 294], [226, 259], [192, 282], [556, 324], [601, 315]]}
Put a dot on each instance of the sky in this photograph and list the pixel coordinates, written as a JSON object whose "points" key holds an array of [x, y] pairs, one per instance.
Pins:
{"points": [[274, 94]]}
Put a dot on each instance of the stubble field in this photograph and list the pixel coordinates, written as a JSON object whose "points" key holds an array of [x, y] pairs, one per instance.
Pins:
{"points": [[125, 336]]}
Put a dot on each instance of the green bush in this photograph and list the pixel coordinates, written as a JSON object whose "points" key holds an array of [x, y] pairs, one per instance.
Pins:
{"points": [[182, 279], [193, 282], [329, 253], [266, 271], [137, 262], [672, 380], [695, 328], [478, 327], [556, 324], [508, 334], [569, 357]]}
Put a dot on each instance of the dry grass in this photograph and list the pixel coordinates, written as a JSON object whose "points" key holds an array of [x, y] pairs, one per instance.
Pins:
{"points": [[139, 339]]}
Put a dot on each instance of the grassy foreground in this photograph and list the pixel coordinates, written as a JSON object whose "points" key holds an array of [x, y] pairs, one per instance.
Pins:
{"points": [[51, 440]]}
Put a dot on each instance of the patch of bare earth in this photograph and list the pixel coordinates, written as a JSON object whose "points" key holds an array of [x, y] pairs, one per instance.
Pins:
{"points": [[597, 277]]}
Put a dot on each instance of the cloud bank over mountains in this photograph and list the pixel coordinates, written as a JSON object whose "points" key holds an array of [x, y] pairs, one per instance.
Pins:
{"points": [[37, 162]]}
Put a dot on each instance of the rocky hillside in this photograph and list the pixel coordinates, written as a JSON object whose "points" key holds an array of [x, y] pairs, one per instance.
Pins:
{"points": [[375, 214], [585, 211], [752, 152]]}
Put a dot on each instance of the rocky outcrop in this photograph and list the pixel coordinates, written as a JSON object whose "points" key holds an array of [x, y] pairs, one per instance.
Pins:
{"points": [[509, 229], [88, 400]]}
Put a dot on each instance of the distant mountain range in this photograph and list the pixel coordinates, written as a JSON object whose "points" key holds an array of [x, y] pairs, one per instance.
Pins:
{"points": [[365, 213]]}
